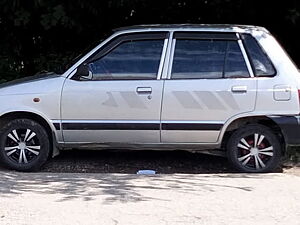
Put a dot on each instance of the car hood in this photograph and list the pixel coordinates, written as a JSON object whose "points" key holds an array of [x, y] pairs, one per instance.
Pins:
{"points": [[33, 84], [41, 76]]}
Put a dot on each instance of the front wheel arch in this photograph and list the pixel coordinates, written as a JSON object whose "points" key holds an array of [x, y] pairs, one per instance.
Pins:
{"points": [[24, 145], [4, 119]]}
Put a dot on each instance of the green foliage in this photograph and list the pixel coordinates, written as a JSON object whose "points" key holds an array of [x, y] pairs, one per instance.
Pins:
{"points": [[39, 35], [54, 17], [293, 15], [293, 155]]}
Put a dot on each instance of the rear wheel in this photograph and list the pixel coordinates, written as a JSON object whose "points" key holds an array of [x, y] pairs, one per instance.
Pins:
{"points": [[24, 145], [254, 148]]}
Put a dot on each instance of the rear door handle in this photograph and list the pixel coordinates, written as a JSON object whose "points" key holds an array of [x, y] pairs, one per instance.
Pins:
{"points": [[239, 89], [144, 90]]}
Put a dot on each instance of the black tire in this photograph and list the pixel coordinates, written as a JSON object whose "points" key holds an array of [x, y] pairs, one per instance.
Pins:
{"points": [[24, 145], [247, 156]]}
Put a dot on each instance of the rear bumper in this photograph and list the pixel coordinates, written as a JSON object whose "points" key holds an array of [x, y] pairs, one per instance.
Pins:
{"points": [[290, 127]]}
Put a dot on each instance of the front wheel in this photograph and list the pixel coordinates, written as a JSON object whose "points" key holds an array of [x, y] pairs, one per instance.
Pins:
{"points": [[24, 145], [254, 149]]}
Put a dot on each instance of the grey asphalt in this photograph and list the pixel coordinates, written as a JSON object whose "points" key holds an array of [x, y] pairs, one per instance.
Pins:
{"points": [[111, 198]]}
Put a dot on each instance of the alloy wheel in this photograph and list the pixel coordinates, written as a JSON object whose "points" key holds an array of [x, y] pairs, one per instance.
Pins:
{"points": [[254, 151], [22, 146]]}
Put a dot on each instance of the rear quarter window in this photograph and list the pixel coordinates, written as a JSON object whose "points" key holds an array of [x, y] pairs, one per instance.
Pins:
{"points": [[262, 65]]}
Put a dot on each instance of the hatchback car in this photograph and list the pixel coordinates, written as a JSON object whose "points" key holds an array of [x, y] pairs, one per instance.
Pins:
{"points": [[222, 89]]}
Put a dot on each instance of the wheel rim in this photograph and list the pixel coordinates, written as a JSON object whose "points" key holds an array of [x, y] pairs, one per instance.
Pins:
{"points": [[22, 146], [255, 151]]}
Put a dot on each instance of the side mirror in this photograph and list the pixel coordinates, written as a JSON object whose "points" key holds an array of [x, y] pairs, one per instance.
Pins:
{"points": [[83, 73]]}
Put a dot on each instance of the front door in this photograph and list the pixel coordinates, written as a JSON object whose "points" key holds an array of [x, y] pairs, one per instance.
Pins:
{"points": [[121, 101]]}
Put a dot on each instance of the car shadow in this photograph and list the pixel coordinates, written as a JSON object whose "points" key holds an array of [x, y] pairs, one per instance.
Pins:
{"points": [[129, 162]]}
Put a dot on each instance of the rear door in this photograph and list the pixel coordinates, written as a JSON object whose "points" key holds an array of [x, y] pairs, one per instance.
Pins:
{"points": [[208, 82]]}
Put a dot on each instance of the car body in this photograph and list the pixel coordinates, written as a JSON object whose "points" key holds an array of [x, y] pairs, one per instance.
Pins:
{"points": [[191, 87]]}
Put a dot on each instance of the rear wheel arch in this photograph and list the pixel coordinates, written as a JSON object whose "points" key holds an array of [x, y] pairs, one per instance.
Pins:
{"points": [[262, 120], [254, 148]]}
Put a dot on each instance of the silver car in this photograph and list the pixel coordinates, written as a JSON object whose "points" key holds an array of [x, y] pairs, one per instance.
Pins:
{"points": [[223, 89]]}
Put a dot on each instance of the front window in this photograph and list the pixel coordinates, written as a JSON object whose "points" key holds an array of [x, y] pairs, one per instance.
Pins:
{"points": [[137, 59]]}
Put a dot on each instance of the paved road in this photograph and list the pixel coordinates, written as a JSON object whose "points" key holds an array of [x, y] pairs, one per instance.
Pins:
{"points": [[95, 198]]}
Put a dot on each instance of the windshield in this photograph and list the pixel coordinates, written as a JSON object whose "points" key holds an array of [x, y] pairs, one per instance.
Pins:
{"points": [[65, 66], [75, 57]]}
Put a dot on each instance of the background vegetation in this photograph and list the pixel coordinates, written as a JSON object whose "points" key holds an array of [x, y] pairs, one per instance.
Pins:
{"points": [[40, 35]]}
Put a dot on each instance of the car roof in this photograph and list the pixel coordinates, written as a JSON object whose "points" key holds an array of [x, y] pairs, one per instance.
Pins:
{"points": [[193, 27]]}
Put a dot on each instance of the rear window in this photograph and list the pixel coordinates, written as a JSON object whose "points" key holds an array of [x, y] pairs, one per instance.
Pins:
{"points": [[208, 59], [260, 62], [235, 65]]}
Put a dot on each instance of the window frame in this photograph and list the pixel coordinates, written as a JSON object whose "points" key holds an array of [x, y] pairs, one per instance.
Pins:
{"points": [[201, 35], [127, 37]]}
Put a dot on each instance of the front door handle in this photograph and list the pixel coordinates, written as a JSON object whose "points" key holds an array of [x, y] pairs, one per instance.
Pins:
{"points": [[239, 89], [144, 90]]}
